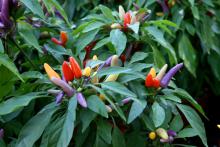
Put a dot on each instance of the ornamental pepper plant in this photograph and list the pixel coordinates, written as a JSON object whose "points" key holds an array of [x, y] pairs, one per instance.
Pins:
{"points": [[101, 73]]}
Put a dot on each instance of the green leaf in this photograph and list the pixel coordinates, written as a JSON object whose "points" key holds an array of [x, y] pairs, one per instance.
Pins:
{"points": [[113, 70], [158, 114], [117, 138], [26, 32], [187, 132], [176, 124], [138, 56], [119, 40], [158, 57], [1, 47], [159, 37], [93, 26], [15, 103], [107, 12], [135, 27], [183, 94], [68, 125], [34, 128], [101, 43], [118, 88], [96, 104], [85, 39], [6, 61], [195, 121], [188, 54], [191, 2], [86, 116], [171, 97], [195, 12], [214, 62], [94, 63], [55, 4], [104, 130], [136, 109], [34, 6]]}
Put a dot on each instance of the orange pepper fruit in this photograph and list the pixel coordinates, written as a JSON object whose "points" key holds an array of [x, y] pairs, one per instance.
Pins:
{"points": [[50, 72], [63, 37]]}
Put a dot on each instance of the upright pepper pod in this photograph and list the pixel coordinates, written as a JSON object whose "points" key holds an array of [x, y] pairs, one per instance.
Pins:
{"points": [[116, 26], [50, 72], [127, 19], [63, 39], [162, 72], [75, 67], [87, 71], [121, 12], [114, 62], [67, 72], [152, 135], [166, 79]]}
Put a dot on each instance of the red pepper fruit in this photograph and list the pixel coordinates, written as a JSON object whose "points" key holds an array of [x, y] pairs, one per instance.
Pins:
{"points": [[54, 40], [123, 58], [156, 83], [75, 68], [149, 82], [127, 19], [67, 71]]}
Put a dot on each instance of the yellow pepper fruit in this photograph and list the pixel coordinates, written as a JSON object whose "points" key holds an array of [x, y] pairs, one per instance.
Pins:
{"points": [[152, 135], [153, 72], [94, 57], [87, 71], [102, 97], [50, 72]]}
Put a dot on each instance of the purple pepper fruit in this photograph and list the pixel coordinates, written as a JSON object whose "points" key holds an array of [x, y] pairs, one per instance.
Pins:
{"points": [[81, 100], [171, 133], [66, 87], [166, 79], [59, 98], [163, 5], [106, 63]]}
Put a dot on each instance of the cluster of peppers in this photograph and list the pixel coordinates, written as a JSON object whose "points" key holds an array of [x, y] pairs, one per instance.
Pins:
{"points": [[129, 18], [162, 79], [71, 71], [166, 136]]}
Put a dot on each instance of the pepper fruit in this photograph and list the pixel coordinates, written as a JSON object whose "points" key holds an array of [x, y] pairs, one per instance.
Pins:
{"points": [[162, 133], [127, 19], [149, 82], [66, 87], [67, 72], [162, 72], [152, 135], [81, 100], [87, 71], [75, 68], [116, 26], [114, 62], [63, 39], [121, 12], [166, 79], [50, 72]]}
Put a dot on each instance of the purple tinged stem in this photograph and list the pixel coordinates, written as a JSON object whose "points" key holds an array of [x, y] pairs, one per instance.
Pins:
{"points": [[1, 133], [59, 97], [166, 79], [66, 87], [5, 18], [81, 100], [136, 6]]}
